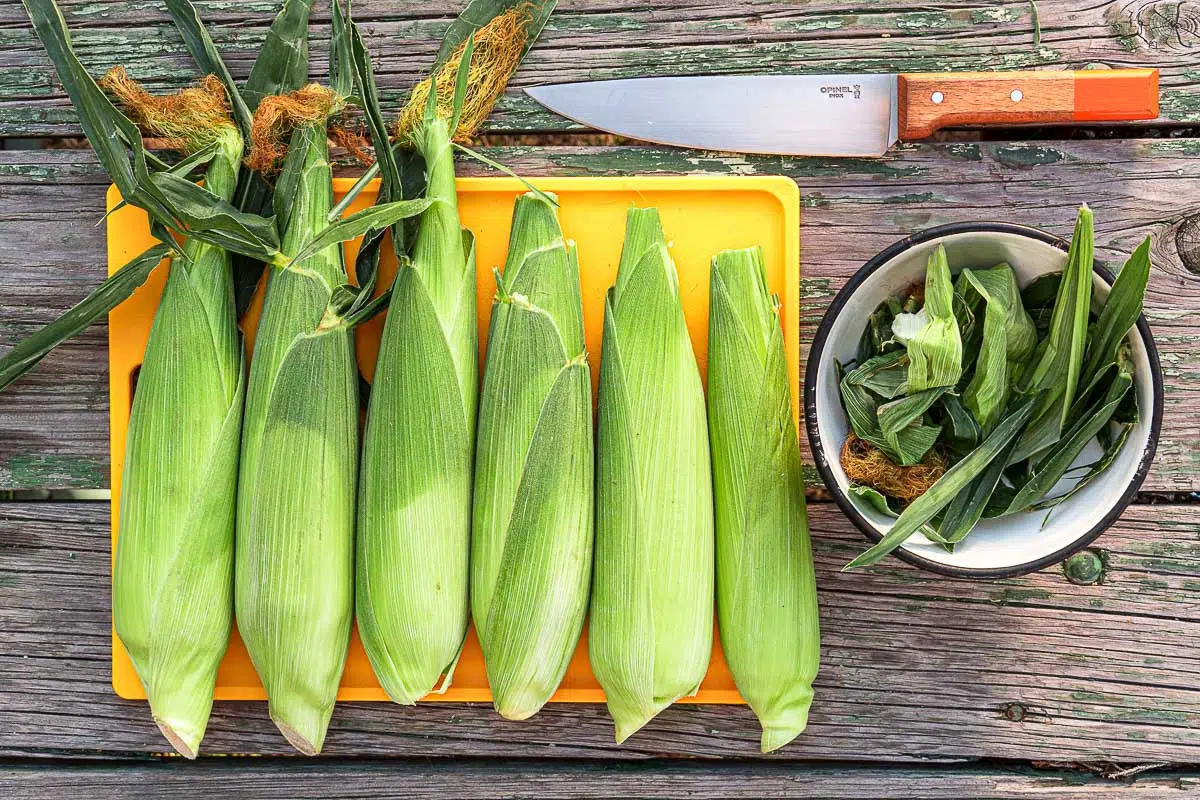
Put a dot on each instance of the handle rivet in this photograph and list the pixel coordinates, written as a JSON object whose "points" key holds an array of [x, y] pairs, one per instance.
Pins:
{"points": [[1017, 95], [938, 97]]}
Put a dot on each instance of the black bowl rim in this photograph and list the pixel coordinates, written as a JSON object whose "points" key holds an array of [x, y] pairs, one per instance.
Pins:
{"points": [[814, 434]]}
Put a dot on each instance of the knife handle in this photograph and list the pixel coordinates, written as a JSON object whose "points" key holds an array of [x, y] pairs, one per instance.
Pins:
{"points": [[929, 101]]}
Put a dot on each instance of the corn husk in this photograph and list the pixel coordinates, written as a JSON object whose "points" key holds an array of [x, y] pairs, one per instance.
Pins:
{"points": [[414, 508], [935, 349], [173, 570], [766, 591], [1058, 361], [650, 635], [531, 549], [295, 543], [1008, 338]]}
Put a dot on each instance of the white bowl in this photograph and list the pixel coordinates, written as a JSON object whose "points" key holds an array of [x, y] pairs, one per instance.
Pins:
{"points": [[1016, 544]]}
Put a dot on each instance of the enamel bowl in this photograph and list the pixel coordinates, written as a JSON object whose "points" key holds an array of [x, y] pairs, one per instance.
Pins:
{"points": [[1020, 543]]}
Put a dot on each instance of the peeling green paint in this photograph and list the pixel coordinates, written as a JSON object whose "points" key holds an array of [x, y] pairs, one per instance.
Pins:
{"points": [[811, 24], [996, 14], [1015, 594], [51, 471], [1026, 156], [813, 200], [963, 151], [908, 199], [919, 20], [1183, 106]]}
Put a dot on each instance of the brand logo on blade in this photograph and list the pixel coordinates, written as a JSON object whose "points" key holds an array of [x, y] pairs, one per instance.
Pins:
{"points": [[854, 91]]}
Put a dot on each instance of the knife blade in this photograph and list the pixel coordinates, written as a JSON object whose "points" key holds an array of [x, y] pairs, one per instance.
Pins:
{"points": [[843, 115]]}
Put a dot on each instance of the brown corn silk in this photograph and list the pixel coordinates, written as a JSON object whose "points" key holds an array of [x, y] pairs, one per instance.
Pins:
{"points": [[497, 54], [866, 464], [278, 115]]}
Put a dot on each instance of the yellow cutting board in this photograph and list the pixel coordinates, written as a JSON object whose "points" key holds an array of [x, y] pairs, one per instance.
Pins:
{"points": [[701, 216]]}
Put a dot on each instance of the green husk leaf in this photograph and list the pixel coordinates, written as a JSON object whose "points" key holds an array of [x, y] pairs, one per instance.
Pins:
{"points": [[341, 59], [875, 498], [103, 299], [900, 423], [1111, 451], [964, 431], [1119, 315], [861, 409], [935, 351], [957, 478], [1056, 462], [282, 62], [1057, 371], [496, 165], [1008, 338], [886, 375], [766, 591], [877, 337], [880, 502], [460, 83], [650, 636], [168, 199], [967, 507], [375, 218]]}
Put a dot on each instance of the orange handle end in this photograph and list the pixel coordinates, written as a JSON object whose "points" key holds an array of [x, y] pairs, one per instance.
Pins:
{"points": [[1116, 95]]}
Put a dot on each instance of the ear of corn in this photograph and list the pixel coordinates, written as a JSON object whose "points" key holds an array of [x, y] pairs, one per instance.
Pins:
{"points": [[173, 570], [766, 591], [650, 635], [414, 509], [295, 543], [531, 552]]}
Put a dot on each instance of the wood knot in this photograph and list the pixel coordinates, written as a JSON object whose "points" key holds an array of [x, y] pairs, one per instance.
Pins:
{"points": [[1013, 712], [1187, 244], [1155, 24], [1085, 567]]}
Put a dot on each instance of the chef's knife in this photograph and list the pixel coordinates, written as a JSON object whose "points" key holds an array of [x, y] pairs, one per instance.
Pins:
{"points": [[844, 115]]}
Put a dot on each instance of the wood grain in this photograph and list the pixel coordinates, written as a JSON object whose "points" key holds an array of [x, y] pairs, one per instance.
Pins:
{"points": [[593, 39], [277, 779], [914, 667], [55, 425]]}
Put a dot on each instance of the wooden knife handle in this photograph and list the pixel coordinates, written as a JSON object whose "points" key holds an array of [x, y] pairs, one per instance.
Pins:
{"points": [[929, 101]]}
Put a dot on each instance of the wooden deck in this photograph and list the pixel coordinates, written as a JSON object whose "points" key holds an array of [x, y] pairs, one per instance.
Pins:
{"points": [[929, 687]]}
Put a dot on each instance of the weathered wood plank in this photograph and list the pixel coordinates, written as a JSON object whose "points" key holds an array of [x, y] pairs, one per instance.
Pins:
{"points": [[591, 40], [272, 779], [915, 667], [55, 420]]}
